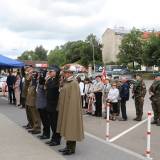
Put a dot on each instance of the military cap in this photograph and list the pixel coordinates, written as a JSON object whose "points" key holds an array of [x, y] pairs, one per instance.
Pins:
{"points": [[54, 68]]}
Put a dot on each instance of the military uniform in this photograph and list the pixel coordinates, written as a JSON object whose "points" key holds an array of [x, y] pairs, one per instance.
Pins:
{"points": [[31, 104], [154, 90], [70, 123], [24, 94], [139, 91], [52, 94]]}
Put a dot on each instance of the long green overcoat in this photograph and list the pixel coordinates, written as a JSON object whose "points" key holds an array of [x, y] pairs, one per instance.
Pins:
{"points": [[70, 122]]}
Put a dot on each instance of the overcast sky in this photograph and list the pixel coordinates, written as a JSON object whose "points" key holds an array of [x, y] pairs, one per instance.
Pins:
{"points": [[24, 24]]}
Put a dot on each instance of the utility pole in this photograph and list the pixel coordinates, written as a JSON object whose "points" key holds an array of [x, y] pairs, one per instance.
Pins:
{"points": [[94, 66]]}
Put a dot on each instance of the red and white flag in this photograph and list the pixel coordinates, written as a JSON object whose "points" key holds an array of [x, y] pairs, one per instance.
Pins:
{"points": [[104, 74]]}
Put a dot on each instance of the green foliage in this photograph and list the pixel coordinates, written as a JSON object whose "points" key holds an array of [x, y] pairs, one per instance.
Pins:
{"points": [[152, 51], [39, 54], [77, 51], [26, 55], [71, 52], [57, 57], [94, 44], [131, 48]]}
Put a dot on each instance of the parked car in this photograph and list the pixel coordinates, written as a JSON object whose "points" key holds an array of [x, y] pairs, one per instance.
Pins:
{"points": [[3, 83]]}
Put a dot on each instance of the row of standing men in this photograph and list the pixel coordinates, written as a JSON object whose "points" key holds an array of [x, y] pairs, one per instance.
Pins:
{"points": [[51, 100]]}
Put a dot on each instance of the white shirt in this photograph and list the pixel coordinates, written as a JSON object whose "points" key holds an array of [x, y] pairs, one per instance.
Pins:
{"points": [[81, 86], [113, 95]]}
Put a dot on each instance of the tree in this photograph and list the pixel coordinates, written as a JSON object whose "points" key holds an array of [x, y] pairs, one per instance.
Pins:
{"points": [[26, 55], [131, 48], [40, 53], [152, 51], [80, 51], [94, 42], [57, 57], [73, 51]]}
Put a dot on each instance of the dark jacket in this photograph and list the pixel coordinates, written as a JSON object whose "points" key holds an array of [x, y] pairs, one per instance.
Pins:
{"points": [[10, 80], [124, 92], [52, 94], [41, 100]]}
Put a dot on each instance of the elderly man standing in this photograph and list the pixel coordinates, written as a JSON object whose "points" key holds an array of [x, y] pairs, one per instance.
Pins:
{"points": [[98, 88], [124, 96], [70, 123]]}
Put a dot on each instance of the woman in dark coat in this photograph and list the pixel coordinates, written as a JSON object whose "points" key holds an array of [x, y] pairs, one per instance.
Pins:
{"points": [[52, 93]]}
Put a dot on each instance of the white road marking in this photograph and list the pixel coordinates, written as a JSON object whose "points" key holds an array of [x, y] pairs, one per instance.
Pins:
{"points": [[128, 130], [116, 146]]}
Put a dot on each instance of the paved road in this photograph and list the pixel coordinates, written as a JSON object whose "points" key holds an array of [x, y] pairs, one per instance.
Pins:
{"points": [[134, 140], [91, 148]]}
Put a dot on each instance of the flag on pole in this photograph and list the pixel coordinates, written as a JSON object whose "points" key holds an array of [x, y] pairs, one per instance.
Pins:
{"points": [[104, 74]]}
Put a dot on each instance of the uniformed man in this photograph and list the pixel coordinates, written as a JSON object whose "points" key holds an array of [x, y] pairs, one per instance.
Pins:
{"points": [[154, 91], [139, 92], [52, 95], [31, 103], [27, 80], [70, 124]]}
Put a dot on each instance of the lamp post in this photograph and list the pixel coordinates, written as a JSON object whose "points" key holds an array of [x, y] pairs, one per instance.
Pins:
{"points": [[94, 66]]}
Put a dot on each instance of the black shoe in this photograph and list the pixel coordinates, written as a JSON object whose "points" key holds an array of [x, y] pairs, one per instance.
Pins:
{"points": [[68, 152], [25, 126], [44, 137], [29, 127], [139, 119], [135, 119], [63, 149], [54, 143], [122, 119], [48, 142], [30, 130], [35, 132]]}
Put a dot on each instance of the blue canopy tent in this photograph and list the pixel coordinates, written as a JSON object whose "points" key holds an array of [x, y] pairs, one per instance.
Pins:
{"points": [[6, 62]]}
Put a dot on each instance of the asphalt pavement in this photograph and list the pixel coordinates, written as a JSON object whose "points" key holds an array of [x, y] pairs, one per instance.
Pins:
{"points": [[93, 147]]}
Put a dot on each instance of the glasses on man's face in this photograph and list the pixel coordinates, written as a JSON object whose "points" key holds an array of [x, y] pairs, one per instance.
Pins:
{"points": [[114, 85]]}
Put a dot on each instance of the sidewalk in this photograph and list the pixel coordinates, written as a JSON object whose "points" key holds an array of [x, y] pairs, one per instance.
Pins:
{"points": [[17, 144]]}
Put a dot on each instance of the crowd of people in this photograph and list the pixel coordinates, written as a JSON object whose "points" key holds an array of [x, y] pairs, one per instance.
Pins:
{"points": [[56, 99]]}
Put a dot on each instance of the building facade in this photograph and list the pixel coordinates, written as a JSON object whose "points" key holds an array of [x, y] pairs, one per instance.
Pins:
{"points": [[111, 40]]}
